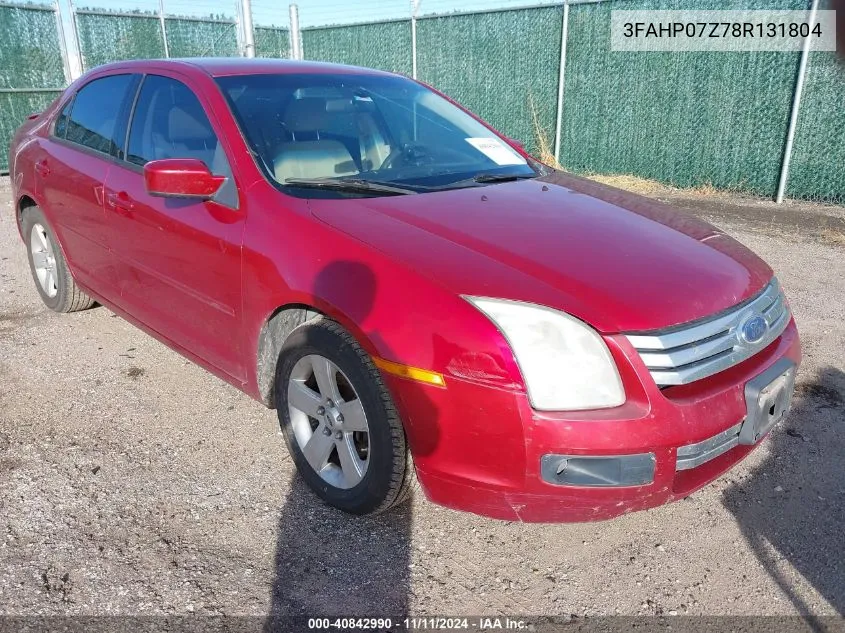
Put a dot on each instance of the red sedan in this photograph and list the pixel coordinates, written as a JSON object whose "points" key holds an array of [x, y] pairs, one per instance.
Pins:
{"points": [[397, 279]]}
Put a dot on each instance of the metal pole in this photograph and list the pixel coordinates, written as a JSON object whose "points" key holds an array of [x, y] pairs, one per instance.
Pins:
{"points": [[561, 77], [248, 32], [239, 31], [796, 105], [295, 35], [163, 28], [62, 42], [76, 40], [415, 6]]}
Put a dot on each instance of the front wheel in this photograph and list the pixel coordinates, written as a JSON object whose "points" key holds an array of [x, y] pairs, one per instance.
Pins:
{"points": [[339, 420]]}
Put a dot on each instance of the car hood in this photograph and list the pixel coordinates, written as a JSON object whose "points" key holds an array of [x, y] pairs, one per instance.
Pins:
{"points": [[616, 260]]}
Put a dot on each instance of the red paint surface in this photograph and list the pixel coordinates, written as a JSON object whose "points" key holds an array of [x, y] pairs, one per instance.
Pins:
{"points": [[204, 279]]}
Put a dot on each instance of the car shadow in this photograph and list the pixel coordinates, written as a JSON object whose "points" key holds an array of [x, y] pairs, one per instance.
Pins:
{"points": [[327, 562], [792, 508]]}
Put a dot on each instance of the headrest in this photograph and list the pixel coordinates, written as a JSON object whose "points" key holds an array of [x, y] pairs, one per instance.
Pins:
{"points": [[306, 115], [184, 126]]}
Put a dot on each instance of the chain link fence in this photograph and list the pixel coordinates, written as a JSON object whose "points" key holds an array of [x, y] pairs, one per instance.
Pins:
{"points": [[32, 68], [688, 119], [382, 45], [272, 42], [817, 170], [107, 36], [684, 118]]}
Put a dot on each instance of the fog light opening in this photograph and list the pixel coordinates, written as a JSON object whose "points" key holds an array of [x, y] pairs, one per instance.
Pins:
{"points": [[598, 471]]}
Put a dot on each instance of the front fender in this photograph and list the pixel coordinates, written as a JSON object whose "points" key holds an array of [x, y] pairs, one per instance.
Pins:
{"points": [[293, 260]]}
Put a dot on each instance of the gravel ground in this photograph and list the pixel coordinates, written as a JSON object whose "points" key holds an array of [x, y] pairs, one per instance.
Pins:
{"points": [[133, 482]]}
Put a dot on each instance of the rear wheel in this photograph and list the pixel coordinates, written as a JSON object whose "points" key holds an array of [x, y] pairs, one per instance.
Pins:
{"points": [[339, 421], [50, 272]]}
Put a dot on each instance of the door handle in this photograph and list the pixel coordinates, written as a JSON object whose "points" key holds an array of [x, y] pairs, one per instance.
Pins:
{"points": [[42, 168], [120, 201]]}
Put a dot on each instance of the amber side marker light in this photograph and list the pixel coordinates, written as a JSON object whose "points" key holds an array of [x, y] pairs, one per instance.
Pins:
{"points": [[412, 373]]}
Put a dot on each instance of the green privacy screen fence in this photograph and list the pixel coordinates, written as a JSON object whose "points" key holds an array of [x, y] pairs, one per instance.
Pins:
{"points": [[382, 45], [818, 159], [272, 42], [697, 118], [686, 119], [31, 66], [105, 37]]}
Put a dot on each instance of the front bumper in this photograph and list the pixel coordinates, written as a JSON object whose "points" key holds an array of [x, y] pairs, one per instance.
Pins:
{"points": [[481, 449]]}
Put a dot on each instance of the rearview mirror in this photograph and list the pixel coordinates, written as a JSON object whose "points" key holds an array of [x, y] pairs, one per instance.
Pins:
{"points": [[181, 178]]}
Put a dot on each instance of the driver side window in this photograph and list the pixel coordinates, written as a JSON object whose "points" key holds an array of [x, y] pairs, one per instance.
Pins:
{"points": [[170, 122]]}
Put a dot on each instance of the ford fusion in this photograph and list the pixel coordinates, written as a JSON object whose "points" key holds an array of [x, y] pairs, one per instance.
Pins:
{"points": [[417, 297]]}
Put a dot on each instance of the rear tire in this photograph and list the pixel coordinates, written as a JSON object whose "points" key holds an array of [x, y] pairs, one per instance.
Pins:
{"points": [[47, 264], [357, 461]]}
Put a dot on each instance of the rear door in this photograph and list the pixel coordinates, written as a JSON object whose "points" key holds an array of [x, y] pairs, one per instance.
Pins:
{"points": [[87, 138], [179, 259]]}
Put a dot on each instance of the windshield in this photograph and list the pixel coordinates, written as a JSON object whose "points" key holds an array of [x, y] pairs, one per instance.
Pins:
{"points": [[348, 128]]}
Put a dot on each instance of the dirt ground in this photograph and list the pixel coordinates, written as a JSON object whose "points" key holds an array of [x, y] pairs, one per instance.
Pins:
{"points": [[133, 482]]}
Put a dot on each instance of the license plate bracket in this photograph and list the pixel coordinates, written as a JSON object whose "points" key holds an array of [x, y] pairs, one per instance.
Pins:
{"points": [[768, 398]]}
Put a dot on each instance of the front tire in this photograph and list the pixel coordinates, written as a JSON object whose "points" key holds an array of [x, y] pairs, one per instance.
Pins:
{"points": [[50, 271], [339, 421]]}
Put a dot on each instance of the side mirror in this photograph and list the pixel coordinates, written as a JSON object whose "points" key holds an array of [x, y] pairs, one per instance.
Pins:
{"points": [[181, 178]]}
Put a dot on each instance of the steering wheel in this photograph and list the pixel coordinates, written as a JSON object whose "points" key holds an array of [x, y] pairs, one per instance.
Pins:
{"points": [[408, 154]]}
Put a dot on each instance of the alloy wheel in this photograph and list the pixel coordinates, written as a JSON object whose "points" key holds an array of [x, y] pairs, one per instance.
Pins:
{"points": [[44, 260], [329, 421]]}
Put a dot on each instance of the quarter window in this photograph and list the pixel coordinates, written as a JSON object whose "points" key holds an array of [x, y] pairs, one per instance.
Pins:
{"points": [[94, 120], [61, 121]]}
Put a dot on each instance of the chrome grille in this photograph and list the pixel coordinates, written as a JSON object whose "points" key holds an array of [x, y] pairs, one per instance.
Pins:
{"points": [[684, 354]]}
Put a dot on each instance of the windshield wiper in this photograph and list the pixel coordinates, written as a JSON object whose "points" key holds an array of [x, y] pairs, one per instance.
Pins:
{"points": [[349, 184], [501, 177], [484, 179]]}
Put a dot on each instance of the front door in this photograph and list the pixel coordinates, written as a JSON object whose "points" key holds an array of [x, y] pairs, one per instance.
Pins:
{"points": [[179, 259]]}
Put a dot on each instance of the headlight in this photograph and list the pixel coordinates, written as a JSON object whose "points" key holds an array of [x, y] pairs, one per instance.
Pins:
{"points": [[564, 362]]}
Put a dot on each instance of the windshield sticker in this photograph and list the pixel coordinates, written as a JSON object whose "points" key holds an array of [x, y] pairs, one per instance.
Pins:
{"points": [[496, 151]]}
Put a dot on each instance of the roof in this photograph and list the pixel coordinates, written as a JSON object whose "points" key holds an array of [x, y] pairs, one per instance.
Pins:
{"points": [[223, 66]]}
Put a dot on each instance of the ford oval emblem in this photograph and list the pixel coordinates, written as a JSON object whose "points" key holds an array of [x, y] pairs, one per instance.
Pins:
{"points": [[753, 329]]}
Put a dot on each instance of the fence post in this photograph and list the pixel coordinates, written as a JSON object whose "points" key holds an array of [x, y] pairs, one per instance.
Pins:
{"points": [[796, 106], [247, 29], [163, 28], [415, 7], [295, 34], [75, 28], [239, 33], [561, 77], [62, 42]]}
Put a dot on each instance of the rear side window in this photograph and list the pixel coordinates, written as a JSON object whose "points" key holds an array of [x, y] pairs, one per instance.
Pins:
{"points": [[170, 122], [94, 120]]}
